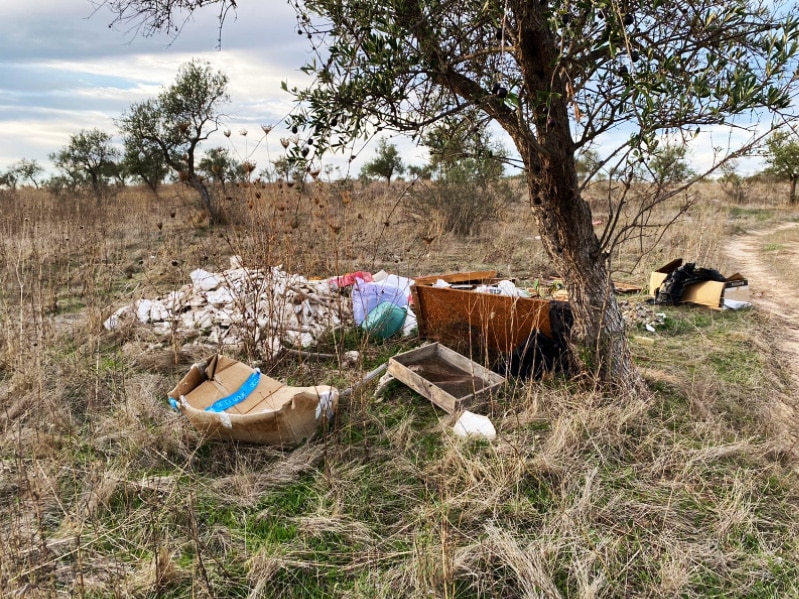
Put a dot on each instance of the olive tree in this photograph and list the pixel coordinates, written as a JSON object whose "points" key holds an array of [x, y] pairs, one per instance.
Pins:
{"points": [[386, 163], [89, 158], [19, 172], [144, 161], [220, 166], [782, 158], [469, 189], [182, 116], [668, 164], [558, 76]]}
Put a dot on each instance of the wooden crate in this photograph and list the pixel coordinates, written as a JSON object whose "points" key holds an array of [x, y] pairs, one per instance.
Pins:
{"points": [[451, 381]]}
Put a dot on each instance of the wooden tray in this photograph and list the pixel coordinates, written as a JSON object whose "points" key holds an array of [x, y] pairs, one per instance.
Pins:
{"points": [[451, 381]]}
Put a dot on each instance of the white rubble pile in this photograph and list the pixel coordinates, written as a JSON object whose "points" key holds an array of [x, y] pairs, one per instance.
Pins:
{"points": [[267, 306]]}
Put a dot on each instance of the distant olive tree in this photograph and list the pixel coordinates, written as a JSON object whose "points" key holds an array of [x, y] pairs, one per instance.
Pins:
{"points": [[219, 166], [182, 116], [29, 170], [588, 164], [20, 172], [668, 164], [782, 158], [386, 163], [89, 159], [423, 172], [732, 184], [467, 168], [284, 169], [144, 161]]}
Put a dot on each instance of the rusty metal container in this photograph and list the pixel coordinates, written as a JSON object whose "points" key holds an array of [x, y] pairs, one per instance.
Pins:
{"points": [[464, 319]]}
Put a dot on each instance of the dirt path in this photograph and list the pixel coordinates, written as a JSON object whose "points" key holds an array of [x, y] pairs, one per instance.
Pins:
{"points": [[771, 293]]}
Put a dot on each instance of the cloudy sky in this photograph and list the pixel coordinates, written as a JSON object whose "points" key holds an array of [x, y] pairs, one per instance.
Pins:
{"points": [[62, 69]]}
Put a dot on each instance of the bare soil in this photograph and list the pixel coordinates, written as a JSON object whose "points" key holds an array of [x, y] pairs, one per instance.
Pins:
{"points": [[774, 292]]}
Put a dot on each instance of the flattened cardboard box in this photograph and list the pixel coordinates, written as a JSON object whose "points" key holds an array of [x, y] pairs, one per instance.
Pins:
{"points": [[708, 293], [271, 413]]}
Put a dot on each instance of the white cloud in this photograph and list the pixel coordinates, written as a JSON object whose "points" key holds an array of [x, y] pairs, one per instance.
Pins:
{"points": [[63, 69]]}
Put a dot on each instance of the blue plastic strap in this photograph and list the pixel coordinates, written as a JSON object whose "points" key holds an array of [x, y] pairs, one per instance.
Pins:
{"points": [[238, 396]]}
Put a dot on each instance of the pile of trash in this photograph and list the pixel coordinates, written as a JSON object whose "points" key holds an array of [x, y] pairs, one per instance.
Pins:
{"points": [[504, 287], [637, 314], [267, 306]]}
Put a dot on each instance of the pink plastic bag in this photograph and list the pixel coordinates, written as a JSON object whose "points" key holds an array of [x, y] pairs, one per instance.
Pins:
{"points": [[349, 278]]}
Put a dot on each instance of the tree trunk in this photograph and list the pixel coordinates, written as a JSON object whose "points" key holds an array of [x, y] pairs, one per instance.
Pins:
{"points": [[96, 186], [792, 197], [599, 341], [210, 206]]}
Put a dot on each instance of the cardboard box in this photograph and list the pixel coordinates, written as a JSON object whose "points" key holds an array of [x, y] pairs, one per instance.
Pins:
{"points": [[708, 293], [465, 319], [259, 409], [451, 381]]}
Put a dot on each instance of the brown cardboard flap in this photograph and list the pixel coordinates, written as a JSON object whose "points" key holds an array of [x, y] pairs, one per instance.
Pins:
{"points": [[707, 293]]}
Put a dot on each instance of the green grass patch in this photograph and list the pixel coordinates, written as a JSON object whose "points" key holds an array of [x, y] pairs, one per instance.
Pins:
{"points": [[759, 214], [737, 363], [685, 319]]}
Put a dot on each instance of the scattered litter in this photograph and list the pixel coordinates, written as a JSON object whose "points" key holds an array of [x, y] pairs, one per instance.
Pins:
{"points": [[390, 280], [368, 296], [676, 283], [348, 279], [639, 314], [620, 287], [372, 374], [385, 321], [351, 358], [458, 316], [411, 325], [504, 287], [383, 383], [471, 424], [381, 306], [731, 304], [204, 280]]}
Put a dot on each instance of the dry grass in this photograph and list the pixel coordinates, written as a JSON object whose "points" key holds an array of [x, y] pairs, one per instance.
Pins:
{"points": [[105, 492]]}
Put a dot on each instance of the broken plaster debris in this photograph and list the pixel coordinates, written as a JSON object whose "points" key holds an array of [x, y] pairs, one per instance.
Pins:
{"points": [[636, 314], [267, 306]]}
